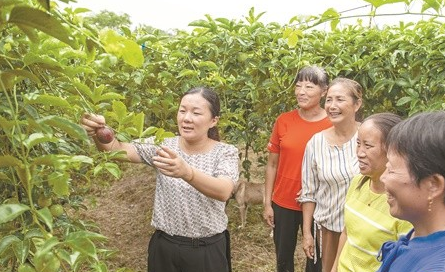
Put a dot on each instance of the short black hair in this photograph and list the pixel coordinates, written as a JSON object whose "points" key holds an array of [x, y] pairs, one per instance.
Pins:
{"points": [[420, 139]]}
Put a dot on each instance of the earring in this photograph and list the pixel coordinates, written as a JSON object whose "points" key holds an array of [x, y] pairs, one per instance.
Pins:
{"points": [[430, 203]]}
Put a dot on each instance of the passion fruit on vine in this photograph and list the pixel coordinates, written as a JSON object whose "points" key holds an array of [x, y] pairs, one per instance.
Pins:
{"points": [[44, 201], [56, 210], [105, 135]]}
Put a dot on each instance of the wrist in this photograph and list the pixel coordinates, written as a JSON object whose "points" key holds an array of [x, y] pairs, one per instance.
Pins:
{"points": [[191, 175]]}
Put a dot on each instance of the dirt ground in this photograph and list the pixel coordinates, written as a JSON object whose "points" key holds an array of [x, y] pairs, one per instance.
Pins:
{"points": [[123, 213]]}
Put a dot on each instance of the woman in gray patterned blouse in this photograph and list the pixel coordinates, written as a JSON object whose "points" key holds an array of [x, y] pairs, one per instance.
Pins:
{"points": [[196, 174]]}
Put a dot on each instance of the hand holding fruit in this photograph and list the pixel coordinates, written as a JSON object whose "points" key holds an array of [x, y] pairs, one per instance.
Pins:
{"points": [[105, 135], [95, 126]]}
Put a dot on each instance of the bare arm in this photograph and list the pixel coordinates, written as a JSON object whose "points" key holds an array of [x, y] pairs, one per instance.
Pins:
{"points": [[308, 201], [308, 240], [167, 162], [271, 171]]}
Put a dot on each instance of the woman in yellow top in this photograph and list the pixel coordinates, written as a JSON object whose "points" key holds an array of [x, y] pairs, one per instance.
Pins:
{"points": [[368, 223]]}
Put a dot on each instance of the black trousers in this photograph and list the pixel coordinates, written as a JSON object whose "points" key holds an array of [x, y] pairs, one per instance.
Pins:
{"points": [[287, 224], [167, 253]]}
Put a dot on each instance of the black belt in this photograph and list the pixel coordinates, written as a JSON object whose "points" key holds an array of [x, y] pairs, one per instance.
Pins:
{"points": [[194, 242]]}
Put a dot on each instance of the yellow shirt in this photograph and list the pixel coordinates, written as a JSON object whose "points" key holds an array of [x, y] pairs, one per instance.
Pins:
{"points": [[368, 225]]}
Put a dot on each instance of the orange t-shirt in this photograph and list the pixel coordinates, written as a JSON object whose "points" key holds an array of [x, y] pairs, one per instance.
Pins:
{"points": [[289, 138]]}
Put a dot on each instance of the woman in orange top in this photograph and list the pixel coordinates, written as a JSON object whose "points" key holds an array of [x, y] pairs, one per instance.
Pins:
{"points": [[286, 147]]}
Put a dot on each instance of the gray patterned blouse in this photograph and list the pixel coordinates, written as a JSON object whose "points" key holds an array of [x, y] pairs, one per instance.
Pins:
{"points": [[179, 209]]}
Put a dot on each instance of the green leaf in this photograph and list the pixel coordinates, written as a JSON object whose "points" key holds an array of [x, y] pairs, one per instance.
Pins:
{"points": [[45, 22], [21, 250], [138, 121], [3, 176], [83, 90], [43, 60], [404, 100], [188, 72], [132, 53], [97, 169], [334, 23], [330, 14], [49, 160], [403, 82], [118, 45], [81, 241], [59, 183], [81, 159], [209, 64], [5, 3], [9, 212], [12, 77], [110, 96], [48, 100], [46, 217], [45, 4], [9, 160], [84, 246], [102, 267], [68, 257], [85, 234], [72, 129], [113, 169], [178, 54], [33, 233], [90, 49], [161, 134], [38, 138], [6, 124], [46, 262], [200, 23], [120, 110], [378, 3], [31, 32], [7, 241], [292, 39], [434, 4], [48, 244], [148, 132], [111, 42]]}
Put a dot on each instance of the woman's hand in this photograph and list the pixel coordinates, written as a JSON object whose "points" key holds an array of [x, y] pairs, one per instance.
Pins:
{"points": [[268, 215], [172, 165], [308, 246], [91, 122]]}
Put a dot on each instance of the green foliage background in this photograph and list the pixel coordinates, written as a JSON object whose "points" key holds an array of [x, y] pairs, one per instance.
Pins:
{"points": [[55, 66]]}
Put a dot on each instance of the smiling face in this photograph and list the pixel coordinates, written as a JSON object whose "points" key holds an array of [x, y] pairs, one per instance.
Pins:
{"points": [[340, 104], [406, 199], [371, 150], [194, 117], [308, 94]]}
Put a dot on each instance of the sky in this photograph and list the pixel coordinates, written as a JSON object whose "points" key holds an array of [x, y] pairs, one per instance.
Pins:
{"points": [[177, 14]]}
